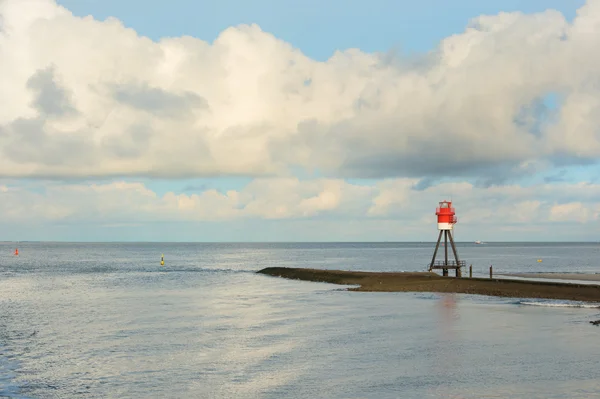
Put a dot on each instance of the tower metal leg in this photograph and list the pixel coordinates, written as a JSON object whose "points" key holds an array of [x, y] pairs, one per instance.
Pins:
{"points": [[458, 271], [445, 271], [436, 249]]}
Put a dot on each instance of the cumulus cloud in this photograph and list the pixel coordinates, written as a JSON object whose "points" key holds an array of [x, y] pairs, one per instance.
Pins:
{"points": [[292, 199], [278, 198], [83, 97]]}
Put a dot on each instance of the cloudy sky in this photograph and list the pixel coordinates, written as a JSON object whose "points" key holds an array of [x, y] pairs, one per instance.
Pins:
{"points": [[285, 120]]}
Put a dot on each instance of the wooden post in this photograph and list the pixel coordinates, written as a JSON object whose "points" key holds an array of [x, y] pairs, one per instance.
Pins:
{"points": [[490, 271], [470, 271]]}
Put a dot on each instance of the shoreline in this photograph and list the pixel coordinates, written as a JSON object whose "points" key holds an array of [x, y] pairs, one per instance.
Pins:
{"points": [[432, 282]]}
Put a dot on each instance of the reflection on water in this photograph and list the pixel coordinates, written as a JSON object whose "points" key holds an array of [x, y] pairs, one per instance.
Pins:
{"points": [[446, 361], [75, 324], [447, 307]]}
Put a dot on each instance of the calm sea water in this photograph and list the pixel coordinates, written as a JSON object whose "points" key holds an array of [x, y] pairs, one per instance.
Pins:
{"points": [[107, 321]]}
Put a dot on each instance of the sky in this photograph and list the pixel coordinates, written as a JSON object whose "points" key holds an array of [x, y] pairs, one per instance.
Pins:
{"points": [[299, 120]]}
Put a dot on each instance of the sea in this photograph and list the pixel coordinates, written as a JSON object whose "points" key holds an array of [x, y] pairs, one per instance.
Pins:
{"points": [[106, 320]]}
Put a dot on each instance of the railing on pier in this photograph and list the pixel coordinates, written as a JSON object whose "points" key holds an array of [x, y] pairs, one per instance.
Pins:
{"points": [[451, 264]]}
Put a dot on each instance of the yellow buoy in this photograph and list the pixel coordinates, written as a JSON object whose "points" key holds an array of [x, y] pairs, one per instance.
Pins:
{"points": [[162, 260], [539, 260]]}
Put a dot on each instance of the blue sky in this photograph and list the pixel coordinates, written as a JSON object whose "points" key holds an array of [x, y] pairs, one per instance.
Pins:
{"points": [[360, 177], [317, 28]]}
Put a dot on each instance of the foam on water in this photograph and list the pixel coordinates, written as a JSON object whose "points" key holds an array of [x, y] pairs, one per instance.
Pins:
{"points": [[561, 304]]}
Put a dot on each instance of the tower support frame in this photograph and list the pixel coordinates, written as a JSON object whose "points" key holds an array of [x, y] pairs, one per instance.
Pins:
{"points": [[446, 264]]}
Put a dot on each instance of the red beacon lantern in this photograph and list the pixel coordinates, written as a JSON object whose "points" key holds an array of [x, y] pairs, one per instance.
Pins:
{"points": [[446, 219], [446, 216]]}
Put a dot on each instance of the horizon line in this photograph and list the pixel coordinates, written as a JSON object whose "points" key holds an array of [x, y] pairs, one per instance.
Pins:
{"points": [[293, 242]]}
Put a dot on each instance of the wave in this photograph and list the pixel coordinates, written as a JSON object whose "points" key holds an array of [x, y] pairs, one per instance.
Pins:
{"points": [[114, 270], [554, 304], [200, 270], [554, 272]]}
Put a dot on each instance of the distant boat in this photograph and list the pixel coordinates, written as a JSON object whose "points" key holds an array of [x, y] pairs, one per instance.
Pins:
{"points": [[478, 242]]}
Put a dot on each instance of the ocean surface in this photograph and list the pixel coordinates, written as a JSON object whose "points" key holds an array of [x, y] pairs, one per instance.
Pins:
{"points": [[81, 320]]}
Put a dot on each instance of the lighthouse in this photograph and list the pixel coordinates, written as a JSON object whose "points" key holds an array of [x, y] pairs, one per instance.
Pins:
{"points": [[446, 219]]}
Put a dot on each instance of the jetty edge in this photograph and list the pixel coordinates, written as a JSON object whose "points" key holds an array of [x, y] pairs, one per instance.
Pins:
{"points": [[432, 282]]}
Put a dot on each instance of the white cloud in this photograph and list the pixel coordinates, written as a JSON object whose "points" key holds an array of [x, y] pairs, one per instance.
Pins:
{"points": [[278, 198], [574, 211], [83, 97], [321, 199]]}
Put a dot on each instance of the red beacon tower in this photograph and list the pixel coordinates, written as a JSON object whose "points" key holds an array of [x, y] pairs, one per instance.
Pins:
{"points": [[446, 219]]}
